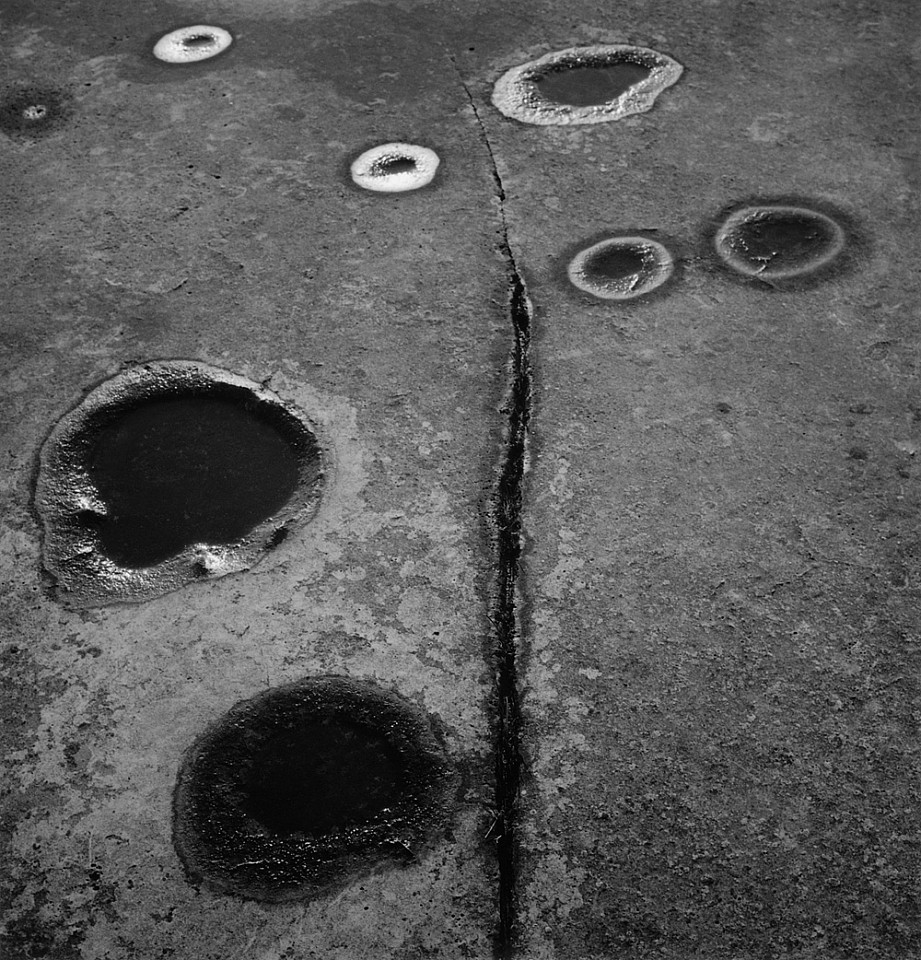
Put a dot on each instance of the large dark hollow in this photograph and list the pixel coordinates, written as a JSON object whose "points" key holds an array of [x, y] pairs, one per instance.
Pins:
{"points": [[616, 263], [179, 470], [321, 774], [782, 241], [589, 85], [306, 784]]}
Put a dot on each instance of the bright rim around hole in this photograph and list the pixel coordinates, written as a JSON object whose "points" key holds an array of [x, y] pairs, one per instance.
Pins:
{"points": [[395, 167], [190, 44], [621, 268], [517, 92]]}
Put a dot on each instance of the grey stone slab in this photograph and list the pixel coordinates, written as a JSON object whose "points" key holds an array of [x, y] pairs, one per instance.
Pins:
{"points": [[718, 664], [721, 655], [207, 215]]}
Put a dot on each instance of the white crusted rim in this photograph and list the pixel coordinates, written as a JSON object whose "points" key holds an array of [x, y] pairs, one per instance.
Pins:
{"points": [[395, 167], [739, 218], [190, 44], [516, 95], [658, 266]]}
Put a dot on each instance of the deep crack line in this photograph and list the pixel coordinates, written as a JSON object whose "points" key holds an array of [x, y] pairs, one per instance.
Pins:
{"points": [[506, 618], [506, 615]]}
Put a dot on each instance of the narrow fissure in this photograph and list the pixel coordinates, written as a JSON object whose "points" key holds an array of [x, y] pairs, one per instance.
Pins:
{"points": [[505, 614]]}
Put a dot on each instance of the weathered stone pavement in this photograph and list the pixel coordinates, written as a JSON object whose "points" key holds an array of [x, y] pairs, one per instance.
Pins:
{"points": [[652, 563]]}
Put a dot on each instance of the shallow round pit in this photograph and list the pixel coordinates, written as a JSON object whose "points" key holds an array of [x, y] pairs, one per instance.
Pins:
{"points": [[28, 112], [590, 85], [621, 267], [306, 785], [778, 241], [395, 167], [581, 85], [172, 471], [192, 44]]}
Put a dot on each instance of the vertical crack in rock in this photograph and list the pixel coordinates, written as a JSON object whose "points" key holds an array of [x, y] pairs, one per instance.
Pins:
{"points": [[507, 526]]}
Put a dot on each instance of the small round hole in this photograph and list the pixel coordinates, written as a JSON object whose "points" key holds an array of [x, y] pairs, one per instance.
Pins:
{"points": [[593, 84], [778, 241], [32, 112], [192, 44], [391, 165], [166, 470], [199, 40], [621, 268], [395, 167]]}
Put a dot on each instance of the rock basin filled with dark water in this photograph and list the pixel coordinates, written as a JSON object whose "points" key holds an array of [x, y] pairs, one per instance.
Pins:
{"points": [[170, 472]]}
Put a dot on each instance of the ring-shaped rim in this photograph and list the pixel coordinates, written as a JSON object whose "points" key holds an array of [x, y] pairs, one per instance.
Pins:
{"points": [[517, 96], [368, 168], [174, 47], [660, 270]]}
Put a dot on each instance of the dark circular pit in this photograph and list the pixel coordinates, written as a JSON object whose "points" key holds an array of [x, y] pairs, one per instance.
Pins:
{"points": [[394, 168], [29, 112], [621, 267], [778, 241], [192, 44], [591, 84], [396, 165], [617, 262], [586, 85], [170, 472], [305, 785]]}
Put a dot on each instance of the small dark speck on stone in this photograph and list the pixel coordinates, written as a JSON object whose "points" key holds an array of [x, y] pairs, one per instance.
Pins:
{"points": [[861, 407], [857, 453], [31, 112], [723, 407], [277, 538]]}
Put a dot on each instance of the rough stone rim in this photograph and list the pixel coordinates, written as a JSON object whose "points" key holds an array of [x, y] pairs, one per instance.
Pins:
{"points": [[82, 574], [366, 169], [172, 47], [749, 213], [517, 96], [235, 854], [661, 270]]}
